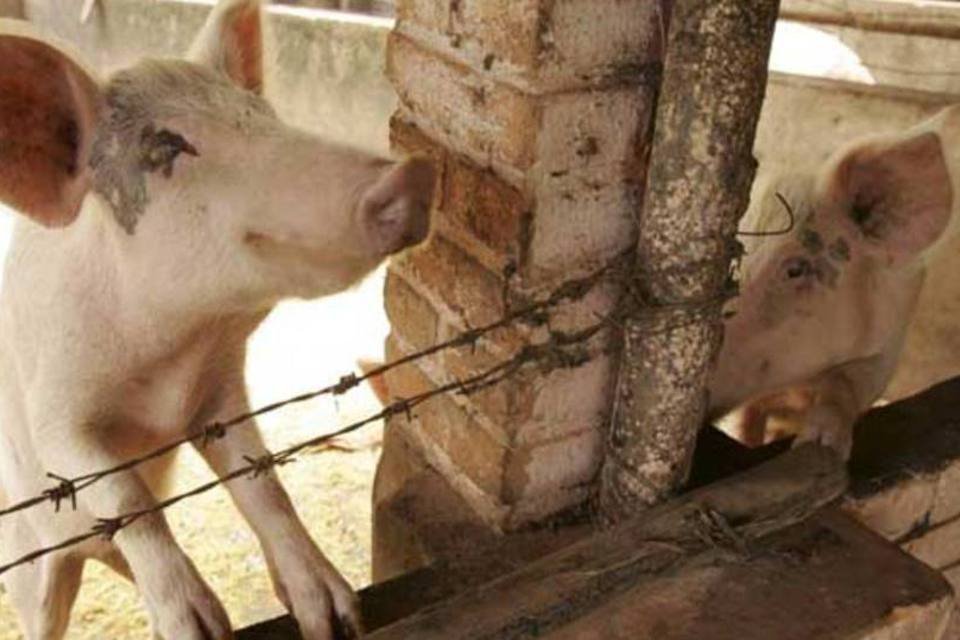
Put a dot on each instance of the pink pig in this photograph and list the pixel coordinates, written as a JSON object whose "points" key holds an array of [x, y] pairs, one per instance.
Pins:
{"points": [[165, 212], [828, 313]]}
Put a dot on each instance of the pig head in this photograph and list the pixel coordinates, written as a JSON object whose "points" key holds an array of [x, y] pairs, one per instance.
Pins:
{"points": [[164, 212], [825, 307]]}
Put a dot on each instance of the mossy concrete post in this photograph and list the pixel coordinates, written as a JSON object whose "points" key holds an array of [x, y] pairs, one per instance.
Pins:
{"points": [[698, 186]]}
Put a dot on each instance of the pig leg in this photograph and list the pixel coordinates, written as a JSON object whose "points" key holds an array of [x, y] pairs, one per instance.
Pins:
{"points": [[841, 395], [43, 592], [305, 581], [109, 555], [181, 605]]}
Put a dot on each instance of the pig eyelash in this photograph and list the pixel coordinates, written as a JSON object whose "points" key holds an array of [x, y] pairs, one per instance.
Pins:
{"points": [[791, 217]]}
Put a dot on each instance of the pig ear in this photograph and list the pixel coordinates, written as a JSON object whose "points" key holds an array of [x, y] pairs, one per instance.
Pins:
{"points": [[396, 209], [231, 42], [898, 194], [48, 111]]}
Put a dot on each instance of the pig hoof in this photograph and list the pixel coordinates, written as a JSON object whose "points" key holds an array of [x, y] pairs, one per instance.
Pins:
{"points": [[322, 602], [189, 610], [829, 430]]}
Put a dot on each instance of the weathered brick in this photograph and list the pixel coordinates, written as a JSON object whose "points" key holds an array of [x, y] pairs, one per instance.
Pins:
{"points": [[469, 291], [551, 45], [404, 381], [473, 451], [475, 24], [589, 190], [495, 212], [481, 203], [537, 472], [535, 406], [409, 313], [507, 404], [585, 188], [568, 401], [431, 14], [538, 115], [486, 117], [409, 138]]}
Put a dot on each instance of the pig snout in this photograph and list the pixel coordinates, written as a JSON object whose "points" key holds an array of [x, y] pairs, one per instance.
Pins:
{"points": [[395, 213]]}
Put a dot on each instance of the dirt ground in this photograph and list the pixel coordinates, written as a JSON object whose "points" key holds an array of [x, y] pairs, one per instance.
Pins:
{"points": [[302, 346]]}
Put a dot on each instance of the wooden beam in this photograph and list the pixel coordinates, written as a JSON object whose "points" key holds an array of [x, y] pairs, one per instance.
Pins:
{"points": [[553, 591]]}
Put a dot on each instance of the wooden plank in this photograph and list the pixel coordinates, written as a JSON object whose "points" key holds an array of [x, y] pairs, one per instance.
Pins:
{"points": [[913, 437], [796, 484], [555, 590], [812, 581]]}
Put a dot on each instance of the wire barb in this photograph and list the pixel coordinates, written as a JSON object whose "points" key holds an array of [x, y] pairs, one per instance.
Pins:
{"points": [[65, 490], [212, 432], [108, 528]]}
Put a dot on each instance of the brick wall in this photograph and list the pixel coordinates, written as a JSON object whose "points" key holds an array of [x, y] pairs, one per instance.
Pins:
{"points": [[536, 113], [11, 9]]}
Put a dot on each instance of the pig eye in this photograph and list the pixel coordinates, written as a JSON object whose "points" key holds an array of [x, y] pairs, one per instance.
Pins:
{"points": [[796, 267]]}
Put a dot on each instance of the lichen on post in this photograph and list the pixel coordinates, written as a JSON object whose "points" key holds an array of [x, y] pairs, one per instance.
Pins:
{"points": [[698, 186]]}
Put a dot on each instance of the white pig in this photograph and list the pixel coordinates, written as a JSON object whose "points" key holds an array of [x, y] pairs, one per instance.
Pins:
{"points": [[164, 213], [825, 310]]}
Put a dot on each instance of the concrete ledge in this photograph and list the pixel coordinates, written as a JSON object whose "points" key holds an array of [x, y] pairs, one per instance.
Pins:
{"points": [[717, 596], [905, 482], [930, 17]]}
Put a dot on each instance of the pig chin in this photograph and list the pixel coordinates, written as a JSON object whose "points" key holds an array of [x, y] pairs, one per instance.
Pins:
{"points": [[303, 271], [733, 383]]}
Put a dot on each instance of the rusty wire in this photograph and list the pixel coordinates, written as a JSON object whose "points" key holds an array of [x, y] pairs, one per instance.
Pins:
{"points": [[532, 313], [560, 350]]}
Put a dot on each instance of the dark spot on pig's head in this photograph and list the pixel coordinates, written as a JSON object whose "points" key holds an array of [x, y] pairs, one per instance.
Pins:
{"points": [[128, 144], [811, 241], [840, 250]]}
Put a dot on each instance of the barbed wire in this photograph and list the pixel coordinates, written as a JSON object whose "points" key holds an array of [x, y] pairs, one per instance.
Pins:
{"points": [[532, 313], [560, 350]]}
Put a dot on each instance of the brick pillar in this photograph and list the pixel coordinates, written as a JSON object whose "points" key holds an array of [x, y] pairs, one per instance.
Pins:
{"points": [[537, 113], [11, 9]]}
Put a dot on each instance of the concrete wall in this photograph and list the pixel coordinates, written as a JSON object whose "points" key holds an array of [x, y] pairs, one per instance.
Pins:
{"points": [[325, 68], [11, 9]]}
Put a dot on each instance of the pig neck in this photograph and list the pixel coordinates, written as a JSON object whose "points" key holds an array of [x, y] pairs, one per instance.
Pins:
{"points": [[155, 314]]}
